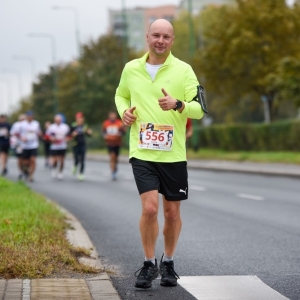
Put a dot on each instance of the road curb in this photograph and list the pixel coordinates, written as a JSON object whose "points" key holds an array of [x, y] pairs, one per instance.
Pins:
{"points": [[270, 169], [100, 286]]}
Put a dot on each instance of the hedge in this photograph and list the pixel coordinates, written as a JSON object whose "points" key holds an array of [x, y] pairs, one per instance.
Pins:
{"points": [[277, 136]]}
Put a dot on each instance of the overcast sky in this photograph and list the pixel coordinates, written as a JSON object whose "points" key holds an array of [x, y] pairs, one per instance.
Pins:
{"points": [[18, 18]]}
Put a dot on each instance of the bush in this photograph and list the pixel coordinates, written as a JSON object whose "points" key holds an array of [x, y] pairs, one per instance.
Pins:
{"points": [[280, 136]]}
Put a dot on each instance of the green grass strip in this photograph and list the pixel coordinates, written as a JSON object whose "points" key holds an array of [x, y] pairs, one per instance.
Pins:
{"points": [[32, 235], [251, 156]]}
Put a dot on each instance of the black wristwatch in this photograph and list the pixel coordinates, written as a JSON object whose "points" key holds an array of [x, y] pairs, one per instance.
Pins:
{"points": [[178, 105]]}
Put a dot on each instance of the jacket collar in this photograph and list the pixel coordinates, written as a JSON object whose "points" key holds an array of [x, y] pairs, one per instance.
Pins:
{"points": [[144, 58]]}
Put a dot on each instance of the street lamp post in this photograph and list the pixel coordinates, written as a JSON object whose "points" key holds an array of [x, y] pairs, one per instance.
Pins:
{"points": [[7, 92], [53, 52], [191, 30], [28, 59], [78, 42], [8, 85], [77, 24], [124, 17], [18, 76]]}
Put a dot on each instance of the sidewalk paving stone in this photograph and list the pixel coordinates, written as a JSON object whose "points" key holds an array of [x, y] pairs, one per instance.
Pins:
{"points": [[2, 288], [59, 289], [14, 289]]}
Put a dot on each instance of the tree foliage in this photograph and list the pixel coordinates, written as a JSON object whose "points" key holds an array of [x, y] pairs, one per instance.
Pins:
{"points": [[238, 48]]}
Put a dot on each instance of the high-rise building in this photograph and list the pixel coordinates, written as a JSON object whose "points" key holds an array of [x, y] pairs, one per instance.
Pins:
{"points": [[137, 23]]}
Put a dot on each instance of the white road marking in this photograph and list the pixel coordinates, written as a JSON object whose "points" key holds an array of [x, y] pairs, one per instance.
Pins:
{"points": [[197, 188], [251, 197], [229, 288]]}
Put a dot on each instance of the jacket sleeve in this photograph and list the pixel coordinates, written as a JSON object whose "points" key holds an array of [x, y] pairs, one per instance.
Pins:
{"points": [[122, 97], [193, 109]]}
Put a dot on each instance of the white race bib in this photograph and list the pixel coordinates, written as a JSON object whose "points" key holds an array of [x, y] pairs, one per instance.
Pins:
{"points": [[156, 136], [60, 136], [112, 130], [30, 136], [3, 132]]}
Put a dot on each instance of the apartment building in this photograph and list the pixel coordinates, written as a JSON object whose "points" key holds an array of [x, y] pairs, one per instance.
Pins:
{"points": [[137, 23]]}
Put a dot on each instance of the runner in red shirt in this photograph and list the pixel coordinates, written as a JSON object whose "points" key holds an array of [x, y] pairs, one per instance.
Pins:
{"points": [[113, 129], [189, 129]]}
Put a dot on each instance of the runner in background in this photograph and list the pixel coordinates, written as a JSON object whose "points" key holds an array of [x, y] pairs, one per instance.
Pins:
{"points": [[4, 143], [78, 132], [47, 144], [113, 129], [29, 131], [16, 143], [58, 133], [189, 129]]}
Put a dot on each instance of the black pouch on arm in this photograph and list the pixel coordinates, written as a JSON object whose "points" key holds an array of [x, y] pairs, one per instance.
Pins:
{"points": [[200, 98]]}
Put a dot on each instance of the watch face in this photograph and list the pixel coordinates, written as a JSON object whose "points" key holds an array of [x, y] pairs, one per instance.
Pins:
{"points": [[179, 104]]}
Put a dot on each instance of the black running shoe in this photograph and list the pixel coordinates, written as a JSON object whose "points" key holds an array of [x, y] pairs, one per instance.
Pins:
{"points": [[147, 274], [4, 172], [168, 275]]}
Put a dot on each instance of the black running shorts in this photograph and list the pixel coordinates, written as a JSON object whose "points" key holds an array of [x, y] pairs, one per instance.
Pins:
{"points": [[27, 153], [114, 149], [170, 179], [60, 152], [4, 149]]}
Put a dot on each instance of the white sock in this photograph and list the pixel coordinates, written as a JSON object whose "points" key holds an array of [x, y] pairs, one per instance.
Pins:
{"points": [[150, 259], [167, 258]]}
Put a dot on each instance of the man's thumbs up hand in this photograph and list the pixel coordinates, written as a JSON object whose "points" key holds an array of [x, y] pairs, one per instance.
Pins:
{"points": [[166, 102], [128, 116]]}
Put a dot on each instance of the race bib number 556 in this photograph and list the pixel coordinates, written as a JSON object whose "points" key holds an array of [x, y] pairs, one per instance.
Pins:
{"points": [[156, 136]]}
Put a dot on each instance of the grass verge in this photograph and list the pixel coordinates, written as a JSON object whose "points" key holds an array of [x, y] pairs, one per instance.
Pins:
{"points": [[261, 157], [32, 236], [251, 156]]}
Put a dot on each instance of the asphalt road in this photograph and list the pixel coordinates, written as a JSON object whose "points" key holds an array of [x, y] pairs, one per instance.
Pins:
{"points": [[233, 224]]}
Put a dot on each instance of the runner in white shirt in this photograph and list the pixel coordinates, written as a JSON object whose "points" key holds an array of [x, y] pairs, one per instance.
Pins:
{"points": [[58, 132], [16, 143], [29, 132]]}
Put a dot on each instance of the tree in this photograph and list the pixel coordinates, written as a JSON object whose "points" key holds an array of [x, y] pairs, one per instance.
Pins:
{"points": [[286, 81], [244, 45], [238, 48]]}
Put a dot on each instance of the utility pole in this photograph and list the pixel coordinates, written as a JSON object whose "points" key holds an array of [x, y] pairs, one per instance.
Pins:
{"points": [[265, 101]]}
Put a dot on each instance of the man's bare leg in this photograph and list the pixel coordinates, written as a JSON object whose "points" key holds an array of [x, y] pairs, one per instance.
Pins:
{"points": [[172, 226], [172, 230], [3, 157], [149, 223], [113, 161], [31, 165], [61, 163]]}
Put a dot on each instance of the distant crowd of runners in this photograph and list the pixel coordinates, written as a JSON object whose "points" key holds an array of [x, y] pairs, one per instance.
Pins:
{"points": [[24, 136]]}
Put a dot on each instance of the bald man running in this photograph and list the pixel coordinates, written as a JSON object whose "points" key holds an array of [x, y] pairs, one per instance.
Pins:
{"points": [[154, 97]]}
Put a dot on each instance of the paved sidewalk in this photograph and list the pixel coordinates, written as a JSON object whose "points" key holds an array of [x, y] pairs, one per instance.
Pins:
{"points": [[96, 288], [99, 287], [228, 166]]}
